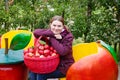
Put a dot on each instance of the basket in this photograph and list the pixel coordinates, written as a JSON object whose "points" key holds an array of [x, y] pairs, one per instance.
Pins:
{"points": [[42, 65]]}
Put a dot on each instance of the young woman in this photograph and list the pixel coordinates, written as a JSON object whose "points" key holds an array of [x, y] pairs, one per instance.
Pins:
{"points": [[60, 39]]}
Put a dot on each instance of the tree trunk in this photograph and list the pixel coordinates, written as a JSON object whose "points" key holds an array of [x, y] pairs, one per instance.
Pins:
{"points": [[118, 10], [119, 51], [63, 13], [89, 10], [7, 10], [6, 6], [115, 47]]}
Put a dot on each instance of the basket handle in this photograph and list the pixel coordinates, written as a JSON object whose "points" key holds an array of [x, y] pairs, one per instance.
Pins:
{"points": [[37, 41]]}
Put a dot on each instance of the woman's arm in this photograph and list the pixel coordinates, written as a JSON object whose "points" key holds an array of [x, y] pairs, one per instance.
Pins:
{"points": [[64, 47], [43, 32]]}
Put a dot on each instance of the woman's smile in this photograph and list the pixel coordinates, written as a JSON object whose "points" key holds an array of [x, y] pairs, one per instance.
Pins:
{"points": [[56, 27]]}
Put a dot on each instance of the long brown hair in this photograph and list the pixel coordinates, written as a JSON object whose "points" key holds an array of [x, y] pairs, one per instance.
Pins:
{"points": [[61, 19]]}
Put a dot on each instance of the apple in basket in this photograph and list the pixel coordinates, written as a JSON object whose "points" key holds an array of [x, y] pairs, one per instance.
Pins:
{"points": [[46, 52], [41, 51], [41, 47], [29, 52], [46, 46], [53, 54], [42, 56]]}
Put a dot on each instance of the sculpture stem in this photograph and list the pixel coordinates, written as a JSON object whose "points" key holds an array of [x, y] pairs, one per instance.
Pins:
{"points": [[6, 46]]}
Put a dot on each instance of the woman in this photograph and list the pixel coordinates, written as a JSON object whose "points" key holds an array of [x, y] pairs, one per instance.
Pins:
{"points": [[60, 39]]}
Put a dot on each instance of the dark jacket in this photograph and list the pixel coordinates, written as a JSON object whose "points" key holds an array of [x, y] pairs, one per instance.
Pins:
{"points": [[62, 46]]}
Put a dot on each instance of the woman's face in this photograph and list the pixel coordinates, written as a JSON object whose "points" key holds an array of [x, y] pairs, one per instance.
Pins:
{"points": [[56, 27]]}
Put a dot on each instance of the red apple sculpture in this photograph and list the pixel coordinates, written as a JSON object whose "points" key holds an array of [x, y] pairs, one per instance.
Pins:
{"points": [[100, 66]]}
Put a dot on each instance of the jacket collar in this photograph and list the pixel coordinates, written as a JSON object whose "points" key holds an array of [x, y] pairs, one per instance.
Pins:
{"points": [[64, 33]]}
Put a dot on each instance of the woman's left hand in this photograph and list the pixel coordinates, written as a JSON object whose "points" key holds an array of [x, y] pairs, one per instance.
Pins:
{"points": [[58, 36]]}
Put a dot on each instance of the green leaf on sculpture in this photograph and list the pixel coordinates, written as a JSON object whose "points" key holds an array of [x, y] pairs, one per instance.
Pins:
{"points": [[20, 41], [110, 49]]}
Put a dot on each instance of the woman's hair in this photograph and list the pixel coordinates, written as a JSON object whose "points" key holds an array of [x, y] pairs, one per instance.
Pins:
{"points": [[61, 19]]}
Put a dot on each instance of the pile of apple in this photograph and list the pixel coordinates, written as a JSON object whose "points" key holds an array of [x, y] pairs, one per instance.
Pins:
{"points": [[40, 51]]}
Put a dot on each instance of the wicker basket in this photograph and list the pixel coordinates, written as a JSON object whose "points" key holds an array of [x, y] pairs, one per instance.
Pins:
{"points": [[42, 65]]}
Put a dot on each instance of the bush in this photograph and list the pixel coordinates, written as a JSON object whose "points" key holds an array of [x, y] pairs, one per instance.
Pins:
{"points": [[78, 40]]}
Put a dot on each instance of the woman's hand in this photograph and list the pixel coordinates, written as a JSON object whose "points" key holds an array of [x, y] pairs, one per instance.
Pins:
{"points": [[58, 36]]}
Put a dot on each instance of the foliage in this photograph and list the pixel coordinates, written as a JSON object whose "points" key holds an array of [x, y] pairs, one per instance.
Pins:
{"points": [[89, 19], [78, 40], [102, 26]]}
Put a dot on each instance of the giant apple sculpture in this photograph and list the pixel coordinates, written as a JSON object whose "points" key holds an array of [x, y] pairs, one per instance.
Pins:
{"points": [[100, 64], [12, 65]]}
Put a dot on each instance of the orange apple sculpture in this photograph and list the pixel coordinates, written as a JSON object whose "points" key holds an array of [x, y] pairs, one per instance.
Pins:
{"points": [[101, 65]]}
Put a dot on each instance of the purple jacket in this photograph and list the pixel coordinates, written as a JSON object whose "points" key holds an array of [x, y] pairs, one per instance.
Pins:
{"points": [[62, 46]]}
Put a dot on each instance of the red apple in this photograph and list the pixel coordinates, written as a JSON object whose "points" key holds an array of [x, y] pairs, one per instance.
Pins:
{"points": [[41, 47], [37, 55], [31, 50], [54, 51], [42, 56], [53, 54], [41, 52], [25, 51], [30, 54], [51, 48], [48, 56], [46, 51], [46, 46]]}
